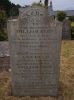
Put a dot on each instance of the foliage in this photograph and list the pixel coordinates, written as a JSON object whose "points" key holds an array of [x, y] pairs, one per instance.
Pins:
{"points": [[5, 5], [72, 30], [2, 15], [71, 18], [46, 3], [61, 15], [72, 24], [9, 7], [3, 36], [72, 33], [2, 19], [14, 10]]}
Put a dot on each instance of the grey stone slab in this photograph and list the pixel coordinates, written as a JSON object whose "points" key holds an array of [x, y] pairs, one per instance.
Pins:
{"points": [[35, 43]]}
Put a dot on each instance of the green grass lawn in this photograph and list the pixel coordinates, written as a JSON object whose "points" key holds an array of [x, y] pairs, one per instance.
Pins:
{"points": [[66, 78]]}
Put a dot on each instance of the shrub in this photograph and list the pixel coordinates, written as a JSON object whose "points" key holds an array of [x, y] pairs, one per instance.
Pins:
{"points": [[2, 19], [3, 36], [61, 15], [71, 18], [72, 32], [72, 24]]}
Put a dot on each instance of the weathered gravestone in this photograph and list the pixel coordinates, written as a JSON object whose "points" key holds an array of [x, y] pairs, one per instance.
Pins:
{"points": [[66, 29], [35, 45]]}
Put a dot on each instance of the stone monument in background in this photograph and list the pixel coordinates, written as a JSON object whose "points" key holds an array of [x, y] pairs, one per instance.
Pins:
{"points": [[66, 29], [35, 44]]}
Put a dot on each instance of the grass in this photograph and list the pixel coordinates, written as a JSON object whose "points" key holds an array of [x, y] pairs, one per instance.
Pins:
{"points": [[66, 78], [67, 70]]}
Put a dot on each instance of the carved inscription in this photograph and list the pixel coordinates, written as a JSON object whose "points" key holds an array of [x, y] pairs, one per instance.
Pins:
{"points": [[35, 54]]}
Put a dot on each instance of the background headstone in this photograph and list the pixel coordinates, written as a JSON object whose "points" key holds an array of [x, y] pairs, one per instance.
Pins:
{"points": [[35, 44], [66, 29]]}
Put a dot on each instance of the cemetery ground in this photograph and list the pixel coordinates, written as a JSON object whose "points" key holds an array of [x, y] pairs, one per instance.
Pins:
{"points": [[66, 89]]}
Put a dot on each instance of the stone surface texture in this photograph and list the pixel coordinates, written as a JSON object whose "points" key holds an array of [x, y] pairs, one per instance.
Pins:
{"points": [[35, 44]]}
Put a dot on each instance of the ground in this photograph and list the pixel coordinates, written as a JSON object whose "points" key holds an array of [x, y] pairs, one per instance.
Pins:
{"points": [[66, 84]]}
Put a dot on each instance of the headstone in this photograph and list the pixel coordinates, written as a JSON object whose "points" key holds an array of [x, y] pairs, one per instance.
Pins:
{"points": [[35, 45], [66, 29]]}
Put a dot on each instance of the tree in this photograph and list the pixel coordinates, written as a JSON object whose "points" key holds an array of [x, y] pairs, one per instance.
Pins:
{"points": [[71, 18], [14, 11], [7, 9], [5, 5], [61, 15], [2, 18], [46, 3], [3, 35]]}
